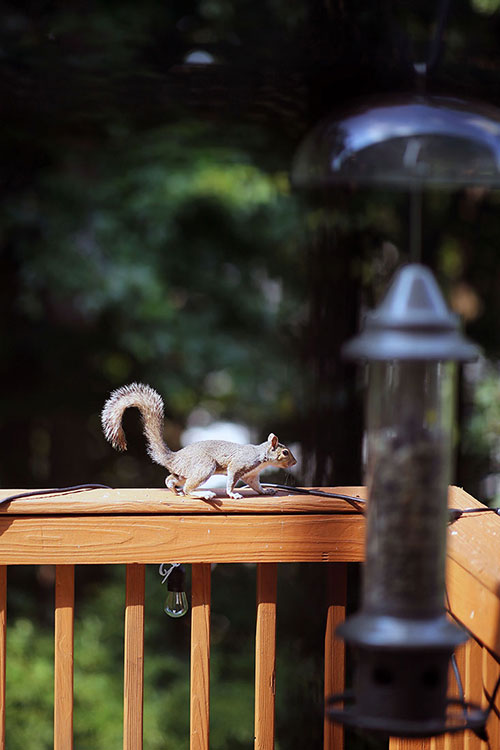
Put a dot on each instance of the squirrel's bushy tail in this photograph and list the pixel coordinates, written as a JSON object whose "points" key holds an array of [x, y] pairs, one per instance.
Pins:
{"points": [[150, 405]]}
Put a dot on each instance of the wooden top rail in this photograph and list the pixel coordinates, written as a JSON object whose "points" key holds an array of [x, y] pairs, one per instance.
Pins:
{"points": [[127, 501], [154, 526]]}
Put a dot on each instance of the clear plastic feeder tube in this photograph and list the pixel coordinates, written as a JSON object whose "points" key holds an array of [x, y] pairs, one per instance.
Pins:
{"points": [[409, 436]]}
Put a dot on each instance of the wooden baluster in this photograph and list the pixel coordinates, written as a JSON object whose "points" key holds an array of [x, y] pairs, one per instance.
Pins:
{"points": [[437, 743], [491, 672], [63, 656], [473, 686], [333, 734], [456, 741], [200, 656], [133, 682], [3, 634], [265, 656]]}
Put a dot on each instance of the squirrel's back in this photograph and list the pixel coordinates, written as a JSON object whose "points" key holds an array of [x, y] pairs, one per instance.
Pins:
{"points": [[150, 405]]}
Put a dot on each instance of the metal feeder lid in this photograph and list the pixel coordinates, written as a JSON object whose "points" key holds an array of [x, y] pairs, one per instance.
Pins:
{"points": [[412, 323], [403, 142]]}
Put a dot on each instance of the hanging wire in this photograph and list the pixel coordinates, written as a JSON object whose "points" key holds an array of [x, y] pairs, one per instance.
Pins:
{"points": [[416, 200], [422, 70], [164, 572], [436, 46]]}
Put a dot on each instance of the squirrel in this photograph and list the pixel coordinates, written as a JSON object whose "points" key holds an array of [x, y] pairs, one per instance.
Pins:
{"points": [[189, 467]]}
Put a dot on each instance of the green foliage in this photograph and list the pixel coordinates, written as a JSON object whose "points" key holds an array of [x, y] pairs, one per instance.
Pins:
{"points": [[30, 676], [170, 254], [482, 428], [486, 6]]}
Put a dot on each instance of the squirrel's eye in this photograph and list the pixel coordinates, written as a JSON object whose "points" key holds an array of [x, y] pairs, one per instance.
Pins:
{"points": [[285, 453]]}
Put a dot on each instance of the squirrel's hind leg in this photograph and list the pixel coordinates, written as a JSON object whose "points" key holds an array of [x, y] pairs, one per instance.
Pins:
{"points": [[173, 482], [201, 473]]}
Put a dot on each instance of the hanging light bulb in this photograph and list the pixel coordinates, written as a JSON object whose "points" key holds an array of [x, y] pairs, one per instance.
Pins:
{"points": [[176, 602]]}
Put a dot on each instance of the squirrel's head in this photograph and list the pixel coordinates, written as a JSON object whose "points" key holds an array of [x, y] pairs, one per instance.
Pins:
{"points": [[278, 454]]}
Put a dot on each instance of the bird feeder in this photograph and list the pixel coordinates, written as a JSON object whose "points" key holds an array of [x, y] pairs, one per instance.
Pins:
{"points": [[401, 636]]}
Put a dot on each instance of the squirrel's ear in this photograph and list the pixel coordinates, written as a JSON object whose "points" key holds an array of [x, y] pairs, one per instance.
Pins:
{"points": [[272, 439]]}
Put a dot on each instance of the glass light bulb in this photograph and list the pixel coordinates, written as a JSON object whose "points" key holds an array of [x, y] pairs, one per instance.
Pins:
{"points": [[176, 604]]}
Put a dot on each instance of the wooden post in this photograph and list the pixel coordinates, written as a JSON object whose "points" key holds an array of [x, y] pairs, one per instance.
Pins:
{"points": [[63, 657], [265, 656], [133, 688], [336, 587], [200, 656]]}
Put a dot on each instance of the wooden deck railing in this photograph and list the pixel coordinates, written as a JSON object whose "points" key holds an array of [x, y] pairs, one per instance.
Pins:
{"points": [[137, 527]]}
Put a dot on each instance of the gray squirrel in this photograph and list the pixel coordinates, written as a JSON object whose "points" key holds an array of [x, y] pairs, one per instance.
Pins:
{"points": [[191, 466]]}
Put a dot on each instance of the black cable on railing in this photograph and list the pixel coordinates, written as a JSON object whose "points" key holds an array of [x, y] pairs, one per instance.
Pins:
{"points": [[55, 491], [353, 501], [456, 513], [453, 513]]}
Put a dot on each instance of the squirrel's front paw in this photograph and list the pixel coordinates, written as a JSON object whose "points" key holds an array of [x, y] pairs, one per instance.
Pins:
{"points": [[235, 495], [268, 491]]}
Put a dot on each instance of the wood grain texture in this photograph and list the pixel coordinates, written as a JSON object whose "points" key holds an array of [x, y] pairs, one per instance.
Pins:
{"points": [[200, 657], [491, 673], [3, 643], [265, 656], [133, 681], [63, 656], [473, 571], [400, 743], [436, 743], [153, 539], [473, 687], [336, 594], [475, 539], [127, 501]]}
